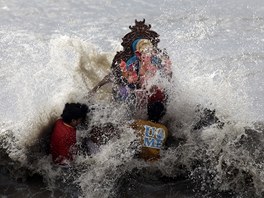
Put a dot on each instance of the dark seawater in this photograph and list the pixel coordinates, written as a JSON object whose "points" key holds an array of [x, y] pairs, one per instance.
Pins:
{"points": [[130, 185], [200, 179], [32, 185]]}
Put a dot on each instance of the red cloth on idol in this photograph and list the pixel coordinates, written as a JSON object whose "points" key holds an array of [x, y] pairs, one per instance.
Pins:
{"points": [[157, 96], [63, 140]]}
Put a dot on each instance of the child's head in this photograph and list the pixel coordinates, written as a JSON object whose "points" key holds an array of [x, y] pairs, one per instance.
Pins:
{"points": [[155, 111], [74, 113]]}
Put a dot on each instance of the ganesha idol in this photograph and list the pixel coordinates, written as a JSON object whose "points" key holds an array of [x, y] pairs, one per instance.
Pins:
{"points": [[137, 65]]}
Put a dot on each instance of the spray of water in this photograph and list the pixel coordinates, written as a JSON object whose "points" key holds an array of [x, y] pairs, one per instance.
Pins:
{"points": [[64, 69]]}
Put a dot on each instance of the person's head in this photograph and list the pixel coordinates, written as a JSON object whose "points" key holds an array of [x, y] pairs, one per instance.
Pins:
{"points": [[156, 111], [74, 113]]}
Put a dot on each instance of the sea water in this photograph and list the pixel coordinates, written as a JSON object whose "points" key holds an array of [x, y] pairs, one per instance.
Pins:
{"points": [[53, 52]]}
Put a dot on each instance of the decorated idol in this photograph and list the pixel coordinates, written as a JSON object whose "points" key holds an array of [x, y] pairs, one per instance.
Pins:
{"points": [[135, 67]]}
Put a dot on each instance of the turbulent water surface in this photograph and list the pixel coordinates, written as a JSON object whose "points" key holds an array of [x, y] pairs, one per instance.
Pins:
{"points": [[53, 52]]}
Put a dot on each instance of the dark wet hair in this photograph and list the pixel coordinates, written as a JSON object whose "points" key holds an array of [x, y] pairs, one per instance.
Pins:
{"points": [[74, 111], [155, 111]]}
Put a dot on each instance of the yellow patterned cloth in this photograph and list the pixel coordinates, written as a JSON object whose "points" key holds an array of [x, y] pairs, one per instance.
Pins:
{"points": [[152, 137]]}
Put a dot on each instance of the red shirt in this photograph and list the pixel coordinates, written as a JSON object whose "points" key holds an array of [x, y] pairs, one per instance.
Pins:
{"points": [[63, 139]]}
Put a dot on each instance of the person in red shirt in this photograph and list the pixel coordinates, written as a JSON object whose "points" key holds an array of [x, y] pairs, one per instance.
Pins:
{"points": [[63, 138]]}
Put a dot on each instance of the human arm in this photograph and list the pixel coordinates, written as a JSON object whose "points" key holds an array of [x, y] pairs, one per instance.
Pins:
{"points": [[107, 79]]}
